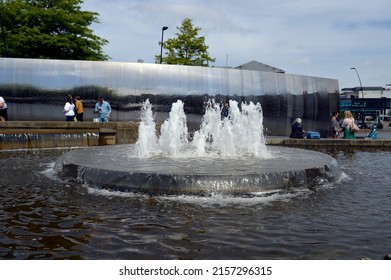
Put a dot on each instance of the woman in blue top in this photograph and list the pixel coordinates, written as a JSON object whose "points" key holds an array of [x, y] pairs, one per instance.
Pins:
{"points": [[103, 109]]}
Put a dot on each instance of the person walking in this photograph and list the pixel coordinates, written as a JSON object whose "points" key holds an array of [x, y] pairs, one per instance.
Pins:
{"points": [[103, 109], [335, 128], [69, 109], [3, 110], [79, 109]]}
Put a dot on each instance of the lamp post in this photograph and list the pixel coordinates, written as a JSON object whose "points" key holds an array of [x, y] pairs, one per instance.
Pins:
{"points": [[161, 44], [362, 90]]}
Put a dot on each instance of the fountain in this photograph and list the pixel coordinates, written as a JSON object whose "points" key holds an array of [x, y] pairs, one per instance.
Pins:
{"points": [[225, 156]]}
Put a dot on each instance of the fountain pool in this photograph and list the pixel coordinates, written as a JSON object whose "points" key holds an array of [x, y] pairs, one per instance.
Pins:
{"points": [[226, 155]]}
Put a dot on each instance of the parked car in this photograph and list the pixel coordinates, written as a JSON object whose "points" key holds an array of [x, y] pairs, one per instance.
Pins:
{"points": [[376, 125]]}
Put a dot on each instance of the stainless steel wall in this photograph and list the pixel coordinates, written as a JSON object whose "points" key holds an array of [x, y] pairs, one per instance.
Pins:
{"points": [[35, 89]]}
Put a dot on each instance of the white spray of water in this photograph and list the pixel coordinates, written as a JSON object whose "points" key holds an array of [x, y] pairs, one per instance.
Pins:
{"points": [[173, 133], [239, 135], [147, 140]]}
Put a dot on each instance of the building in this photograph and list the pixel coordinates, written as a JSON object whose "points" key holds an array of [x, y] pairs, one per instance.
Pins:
{"points": [[258, 66], [366, 92], [372, 102]]}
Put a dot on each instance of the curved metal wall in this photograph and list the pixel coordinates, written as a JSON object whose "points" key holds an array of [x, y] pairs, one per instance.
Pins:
{"points": [[35, 89]]}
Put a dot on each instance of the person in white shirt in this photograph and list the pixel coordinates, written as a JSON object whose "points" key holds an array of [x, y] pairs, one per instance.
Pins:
{"points": [[69, 109], [3, 110]]}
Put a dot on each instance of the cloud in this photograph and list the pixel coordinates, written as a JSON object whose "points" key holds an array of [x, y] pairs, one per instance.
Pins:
{"points": [[302, 37]]}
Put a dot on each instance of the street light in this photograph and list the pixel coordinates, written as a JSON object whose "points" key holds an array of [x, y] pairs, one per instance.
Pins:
{"points": [[161, 44], [362, 90]]}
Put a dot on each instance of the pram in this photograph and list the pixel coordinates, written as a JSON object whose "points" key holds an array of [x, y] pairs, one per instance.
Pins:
{"points": [[372, 134]]}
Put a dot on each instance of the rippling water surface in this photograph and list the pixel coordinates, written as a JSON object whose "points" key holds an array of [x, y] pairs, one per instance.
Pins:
{"points": [[45, 217]]}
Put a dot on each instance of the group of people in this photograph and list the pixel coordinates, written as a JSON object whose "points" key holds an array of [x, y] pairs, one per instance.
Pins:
{"points": [[74, 109], [297, 130], [348, 127]]}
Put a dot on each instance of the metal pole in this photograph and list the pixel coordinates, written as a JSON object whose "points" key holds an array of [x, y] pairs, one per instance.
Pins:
{"points": [[161, 44], [362, 90]]}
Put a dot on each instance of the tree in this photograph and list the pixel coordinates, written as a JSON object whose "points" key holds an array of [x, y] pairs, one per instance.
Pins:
{"points": [[56, 29], [187, 48]]}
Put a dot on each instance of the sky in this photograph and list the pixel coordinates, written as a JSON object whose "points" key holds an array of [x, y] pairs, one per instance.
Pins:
{"points": [[303, 37]]}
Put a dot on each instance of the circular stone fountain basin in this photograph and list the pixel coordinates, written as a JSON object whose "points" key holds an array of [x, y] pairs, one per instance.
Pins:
{"points": [[116, 168]]}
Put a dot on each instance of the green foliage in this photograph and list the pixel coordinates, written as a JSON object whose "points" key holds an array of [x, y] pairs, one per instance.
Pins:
{"points": [[55, 29], [187, 48]]}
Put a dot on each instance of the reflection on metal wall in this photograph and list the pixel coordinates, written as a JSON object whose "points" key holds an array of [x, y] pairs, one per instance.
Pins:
{"points": [[26, 82]]}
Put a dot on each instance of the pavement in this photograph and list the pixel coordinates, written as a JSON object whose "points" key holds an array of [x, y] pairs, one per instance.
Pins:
{"points": [[382, 142], [126, 133]]}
